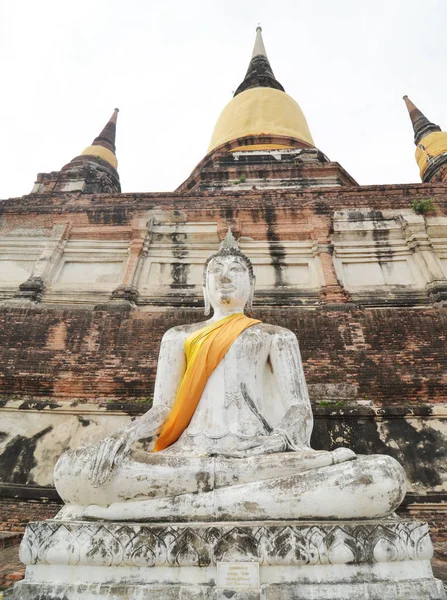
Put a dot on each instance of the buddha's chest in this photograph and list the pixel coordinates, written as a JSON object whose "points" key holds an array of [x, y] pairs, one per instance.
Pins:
{"points": [[235, 385], [251, 347]]}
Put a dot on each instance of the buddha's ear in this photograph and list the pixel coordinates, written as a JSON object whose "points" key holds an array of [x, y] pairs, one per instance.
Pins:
{"points": [[206, 299], [249, 305]]}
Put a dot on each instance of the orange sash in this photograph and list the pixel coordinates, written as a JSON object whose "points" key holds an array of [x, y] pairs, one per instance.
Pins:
{"points": [[204, 350]]}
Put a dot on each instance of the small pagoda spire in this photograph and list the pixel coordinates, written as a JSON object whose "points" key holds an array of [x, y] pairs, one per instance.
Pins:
{"points": [[259, 72], [107, 136], [421, 125], [93, 171]]}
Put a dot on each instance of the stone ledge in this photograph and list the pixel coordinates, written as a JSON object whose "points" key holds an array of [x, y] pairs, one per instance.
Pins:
{"points": [[203, 544], [427, 589], [347, 406], [9, 538]]}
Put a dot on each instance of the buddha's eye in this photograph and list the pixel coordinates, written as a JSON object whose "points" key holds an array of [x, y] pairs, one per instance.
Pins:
{"points": [[215, 269]]}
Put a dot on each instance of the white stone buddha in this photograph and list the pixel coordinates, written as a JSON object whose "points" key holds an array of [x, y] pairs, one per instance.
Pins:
{"points": [[234, 420]]}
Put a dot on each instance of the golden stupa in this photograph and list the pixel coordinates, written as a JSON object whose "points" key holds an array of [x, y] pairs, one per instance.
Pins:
{"points": [[260, 106]]}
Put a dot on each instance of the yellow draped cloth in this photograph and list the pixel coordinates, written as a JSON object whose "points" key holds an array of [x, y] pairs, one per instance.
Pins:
{"points": [[204, 350]]}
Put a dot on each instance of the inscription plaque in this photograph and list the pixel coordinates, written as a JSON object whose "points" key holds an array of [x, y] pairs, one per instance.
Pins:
{"points": [[238, 576]]}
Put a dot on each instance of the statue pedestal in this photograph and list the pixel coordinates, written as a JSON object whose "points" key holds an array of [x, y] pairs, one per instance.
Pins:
{"points": [[386, 559]]}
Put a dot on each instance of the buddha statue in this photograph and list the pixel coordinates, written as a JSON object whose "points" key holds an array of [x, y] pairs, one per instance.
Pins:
{"points": [[231, 421]]}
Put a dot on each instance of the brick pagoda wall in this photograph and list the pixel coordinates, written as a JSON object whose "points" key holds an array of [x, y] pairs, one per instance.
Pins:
{"points": [[392, 356]]}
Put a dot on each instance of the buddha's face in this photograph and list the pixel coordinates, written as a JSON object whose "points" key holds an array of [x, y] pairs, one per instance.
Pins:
{"points": [[228, 282]]}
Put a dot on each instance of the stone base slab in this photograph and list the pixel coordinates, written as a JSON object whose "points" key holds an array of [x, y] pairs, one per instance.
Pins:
{"points": [[385, 559], [423, 590]]}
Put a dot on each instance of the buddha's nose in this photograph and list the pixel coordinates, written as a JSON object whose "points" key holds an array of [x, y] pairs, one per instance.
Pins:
{"points": [[225, 276]]}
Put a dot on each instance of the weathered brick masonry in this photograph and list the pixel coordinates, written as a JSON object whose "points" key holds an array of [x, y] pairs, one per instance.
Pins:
{"points": [[267, 209], [16, 514], [393, 356]]}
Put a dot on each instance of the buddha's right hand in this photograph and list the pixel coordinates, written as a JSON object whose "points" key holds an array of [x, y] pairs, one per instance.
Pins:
{"points": [[112, 450]]}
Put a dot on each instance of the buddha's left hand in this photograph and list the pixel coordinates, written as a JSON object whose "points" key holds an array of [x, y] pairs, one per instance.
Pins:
{"points": [[263, 444]]}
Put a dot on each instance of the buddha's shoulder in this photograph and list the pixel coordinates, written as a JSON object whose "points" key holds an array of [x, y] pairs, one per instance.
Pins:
{"points": [[180, 332], [270, 330]]}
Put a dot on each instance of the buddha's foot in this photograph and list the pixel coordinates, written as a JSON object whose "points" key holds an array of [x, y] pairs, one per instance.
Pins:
{"points": [[70, 512], [340, 455], [98, 513]]}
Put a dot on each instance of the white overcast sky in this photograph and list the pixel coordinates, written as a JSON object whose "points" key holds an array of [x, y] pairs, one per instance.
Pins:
{"points": [[171, 67]]}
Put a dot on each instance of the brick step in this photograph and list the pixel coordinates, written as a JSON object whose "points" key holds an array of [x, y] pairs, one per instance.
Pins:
{"points": [[10, 538], [11, 569]]}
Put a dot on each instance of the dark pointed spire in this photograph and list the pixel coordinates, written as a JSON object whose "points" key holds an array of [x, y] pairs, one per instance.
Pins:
{"points": [[259, 72], [421, 125], [103, 177], [107, 136]]}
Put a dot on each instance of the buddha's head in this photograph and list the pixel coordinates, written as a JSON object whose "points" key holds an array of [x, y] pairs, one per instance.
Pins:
{"points": [[228, 279]]}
